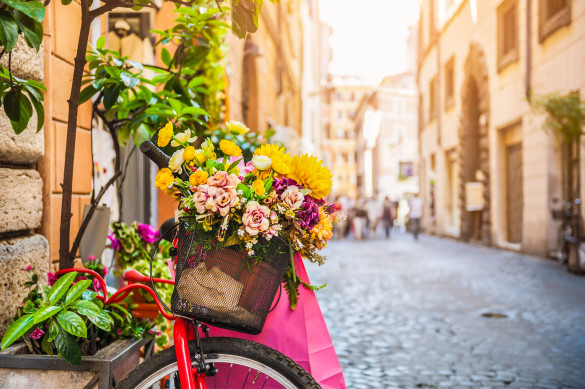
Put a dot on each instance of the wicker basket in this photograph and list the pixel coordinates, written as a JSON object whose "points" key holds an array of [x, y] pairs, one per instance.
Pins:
{"points": [[223, 287]]}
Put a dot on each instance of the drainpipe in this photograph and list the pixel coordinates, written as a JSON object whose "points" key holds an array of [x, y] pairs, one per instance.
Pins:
{"points": [[528, 85]]}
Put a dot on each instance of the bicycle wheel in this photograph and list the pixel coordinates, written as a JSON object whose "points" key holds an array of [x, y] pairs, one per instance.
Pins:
{"points": [[240, 363]]}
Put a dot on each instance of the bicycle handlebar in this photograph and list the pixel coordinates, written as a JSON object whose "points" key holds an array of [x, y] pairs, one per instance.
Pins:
{"points": [[155, 154]]}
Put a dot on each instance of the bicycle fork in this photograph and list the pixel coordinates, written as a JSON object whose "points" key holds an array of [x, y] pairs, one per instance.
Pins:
{"points": [[191, 377]]}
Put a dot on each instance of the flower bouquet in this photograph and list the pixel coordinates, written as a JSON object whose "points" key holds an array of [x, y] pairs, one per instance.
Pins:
{"points": [[248, 213]]}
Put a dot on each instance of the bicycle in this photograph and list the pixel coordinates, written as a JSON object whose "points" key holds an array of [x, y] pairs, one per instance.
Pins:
{"points": [[197, 360]]}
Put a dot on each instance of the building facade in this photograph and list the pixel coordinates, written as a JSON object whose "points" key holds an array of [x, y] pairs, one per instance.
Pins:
{"points": [[489, 172]]}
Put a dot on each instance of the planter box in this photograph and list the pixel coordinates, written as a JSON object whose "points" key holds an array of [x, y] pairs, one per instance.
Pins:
{"points": [[101, 371]]}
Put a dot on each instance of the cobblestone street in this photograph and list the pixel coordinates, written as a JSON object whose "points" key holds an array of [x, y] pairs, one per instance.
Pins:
{"points": [[438, 313]]}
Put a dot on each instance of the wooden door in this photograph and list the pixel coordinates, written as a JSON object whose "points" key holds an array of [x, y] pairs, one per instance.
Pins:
{"points": [[514, 195]]}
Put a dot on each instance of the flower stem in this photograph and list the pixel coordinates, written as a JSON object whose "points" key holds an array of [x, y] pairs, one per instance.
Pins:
{"points": [[292, 264]]}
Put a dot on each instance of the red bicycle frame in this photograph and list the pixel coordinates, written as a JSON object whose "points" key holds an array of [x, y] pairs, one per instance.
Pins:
{"points": [[183, 332]]}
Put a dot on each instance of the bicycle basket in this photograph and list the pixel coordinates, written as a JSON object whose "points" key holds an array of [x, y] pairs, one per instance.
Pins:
{"points": [[223, 287]]}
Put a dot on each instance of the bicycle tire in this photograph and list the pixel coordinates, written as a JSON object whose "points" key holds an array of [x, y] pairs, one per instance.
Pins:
{"points": [[273, 364]]}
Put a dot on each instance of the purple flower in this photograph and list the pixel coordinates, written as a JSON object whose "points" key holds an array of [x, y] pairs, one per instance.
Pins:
{"points": [[116, 246], [27, 268], [148, 233], [51, 278], [308, 213], [280, 185], [36, 334]]}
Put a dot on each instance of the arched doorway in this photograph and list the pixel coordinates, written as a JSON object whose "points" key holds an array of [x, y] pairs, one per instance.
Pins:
{"points": [[474, 142]]}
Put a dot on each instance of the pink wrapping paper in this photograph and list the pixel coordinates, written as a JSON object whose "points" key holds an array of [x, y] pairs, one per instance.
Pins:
{"points": [[300, 334]]}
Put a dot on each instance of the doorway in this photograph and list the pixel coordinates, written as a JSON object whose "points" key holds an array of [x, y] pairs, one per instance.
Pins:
{"points": [[514, 193]]}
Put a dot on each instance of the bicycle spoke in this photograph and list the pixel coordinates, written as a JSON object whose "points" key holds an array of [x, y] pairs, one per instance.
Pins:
{"points": [[256, 378], [228, 376], [265, 379], [247, 375]]}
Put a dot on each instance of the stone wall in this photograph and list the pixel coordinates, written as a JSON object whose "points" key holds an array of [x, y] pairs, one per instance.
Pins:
{"points": [[21, 197]]}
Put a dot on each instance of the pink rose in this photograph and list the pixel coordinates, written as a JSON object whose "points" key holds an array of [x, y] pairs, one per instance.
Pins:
{"points": [[223, 180], [272, 231], [37, 333], [273, 217], [27, 268], [224, 200], [255, 218], [292, 197], [51, 278], [200, 198]]}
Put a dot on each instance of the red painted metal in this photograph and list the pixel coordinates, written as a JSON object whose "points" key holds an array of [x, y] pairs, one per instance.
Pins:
{"points": [[135, 276], [188, 379], [88, 271], [125, 289]]}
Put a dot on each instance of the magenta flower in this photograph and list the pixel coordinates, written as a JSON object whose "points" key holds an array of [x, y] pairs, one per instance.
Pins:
{"points": [[91, 258], [36, 334], [308, 214], [27, 268], [105, 270], [148, 233], [81, 278], [97, 286], [51, 278], [280, 185], [119, 332], [115, 243]]}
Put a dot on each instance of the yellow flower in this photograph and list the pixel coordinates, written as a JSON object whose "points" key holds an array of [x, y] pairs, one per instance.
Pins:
{"points": [[236, 128], [208, 147], [323, 231], [280, 160], [230, 148], [261, 162], [189, 153], [307, 170], [164, 180], [183, 138], [165, 134], [258, 187], [200, 156], [198, 178]]}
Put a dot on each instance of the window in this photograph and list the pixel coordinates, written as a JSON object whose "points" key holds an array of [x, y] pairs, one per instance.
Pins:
{"points": [[406, 170], [507, 33], [553, 14], [450, 84], [433, 99]]}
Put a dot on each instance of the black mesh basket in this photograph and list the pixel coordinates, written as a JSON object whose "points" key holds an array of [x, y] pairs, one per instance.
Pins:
{"points": [[223, 287]]}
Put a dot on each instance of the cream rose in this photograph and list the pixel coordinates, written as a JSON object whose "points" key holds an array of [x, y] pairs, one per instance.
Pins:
{"points": [[256, 218], [224, 200], [292, 197], [261, 162], [183, 138], [176, 161]]}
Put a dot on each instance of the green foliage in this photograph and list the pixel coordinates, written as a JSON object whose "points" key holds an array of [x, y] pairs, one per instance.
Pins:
{"points": [[20, 98], [245, 15], [565, 114]]}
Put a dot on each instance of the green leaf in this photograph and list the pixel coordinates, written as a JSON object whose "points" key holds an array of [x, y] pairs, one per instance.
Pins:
{"points": [[12, 104], [33, 9], [100, 43], [9, 28], [140, 135], [233, 165], [46, 345], [72, 323], [29, 307], [53, 330], [17, 329], [89, 295], [124, 311], [66, 2], [175, 105], [195, 111], [87, 94], [40, 113], [111, 96], [136, 65], [77, 290], [87, 308], [165, 56], [68, 348], [25, 115], [61, 286], [268, 184], [45, 313], [102, 321], [31, 29]]}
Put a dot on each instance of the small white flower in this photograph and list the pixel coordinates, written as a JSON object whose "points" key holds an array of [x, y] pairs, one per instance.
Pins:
{"points": [[250, 252], [176, 161], [261, 162], [183, 138]]}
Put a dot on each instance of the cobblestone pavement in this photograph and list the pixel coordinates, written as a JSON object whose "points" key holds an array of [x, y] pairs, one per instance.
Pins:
{"points": [[406, 314]]}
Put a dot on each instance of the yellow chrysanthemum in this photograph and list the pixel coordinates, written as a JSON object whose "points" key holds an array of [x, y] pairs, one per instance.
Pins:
{"points": [[280, 159], [198, 178], [189, 153], [230, 148], [165, 135], [164, 180], [307, 170]]}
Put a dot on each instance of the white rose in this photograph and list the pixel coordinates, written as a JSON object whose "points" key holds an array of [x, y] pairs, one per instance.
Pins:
{"points": [[176, 161], [184, 138], [261, 162]]}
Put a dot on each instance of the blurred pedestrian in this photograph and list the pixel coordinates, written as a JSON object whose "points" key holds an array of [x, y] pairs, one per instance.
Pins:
{"points": [[374, 215], [388, 215], [415, 215], [341, 208], [360, 216]]}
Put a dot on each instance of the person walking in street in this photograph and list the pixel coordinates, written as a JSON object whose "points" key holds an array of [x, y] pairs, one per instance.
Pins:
{"points": [[360, 216], [374, 214], [388, 216], [415, 215]]}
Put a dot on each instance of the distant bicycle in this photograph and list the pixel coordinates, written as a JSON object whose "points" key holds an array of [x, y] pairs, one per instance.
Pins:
{"points": [[570, 229]]}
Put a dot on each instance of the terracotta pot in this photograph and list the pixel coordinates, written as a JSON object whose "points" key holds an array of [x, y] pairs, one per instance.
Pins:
{"points": [[256, 286]]}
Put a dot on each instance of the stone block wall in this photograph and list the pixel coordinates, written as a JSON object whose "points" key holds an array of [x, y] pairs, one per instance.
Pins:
{"points": [[21, 197]]}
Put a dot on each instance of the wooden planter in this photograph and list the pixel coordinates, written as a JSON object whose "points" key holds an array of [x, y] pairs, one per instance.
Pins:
{"points": [[101, 371]]}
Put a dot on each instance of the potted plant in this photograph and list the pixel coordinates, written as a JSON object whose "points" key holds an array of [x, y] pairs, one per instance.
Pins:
{"points": [[65, 326]]}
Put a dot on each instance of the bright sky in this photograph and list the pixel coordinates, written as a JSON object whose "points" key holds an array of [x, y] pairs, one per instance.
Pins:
{"points": [[369, 36]]}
